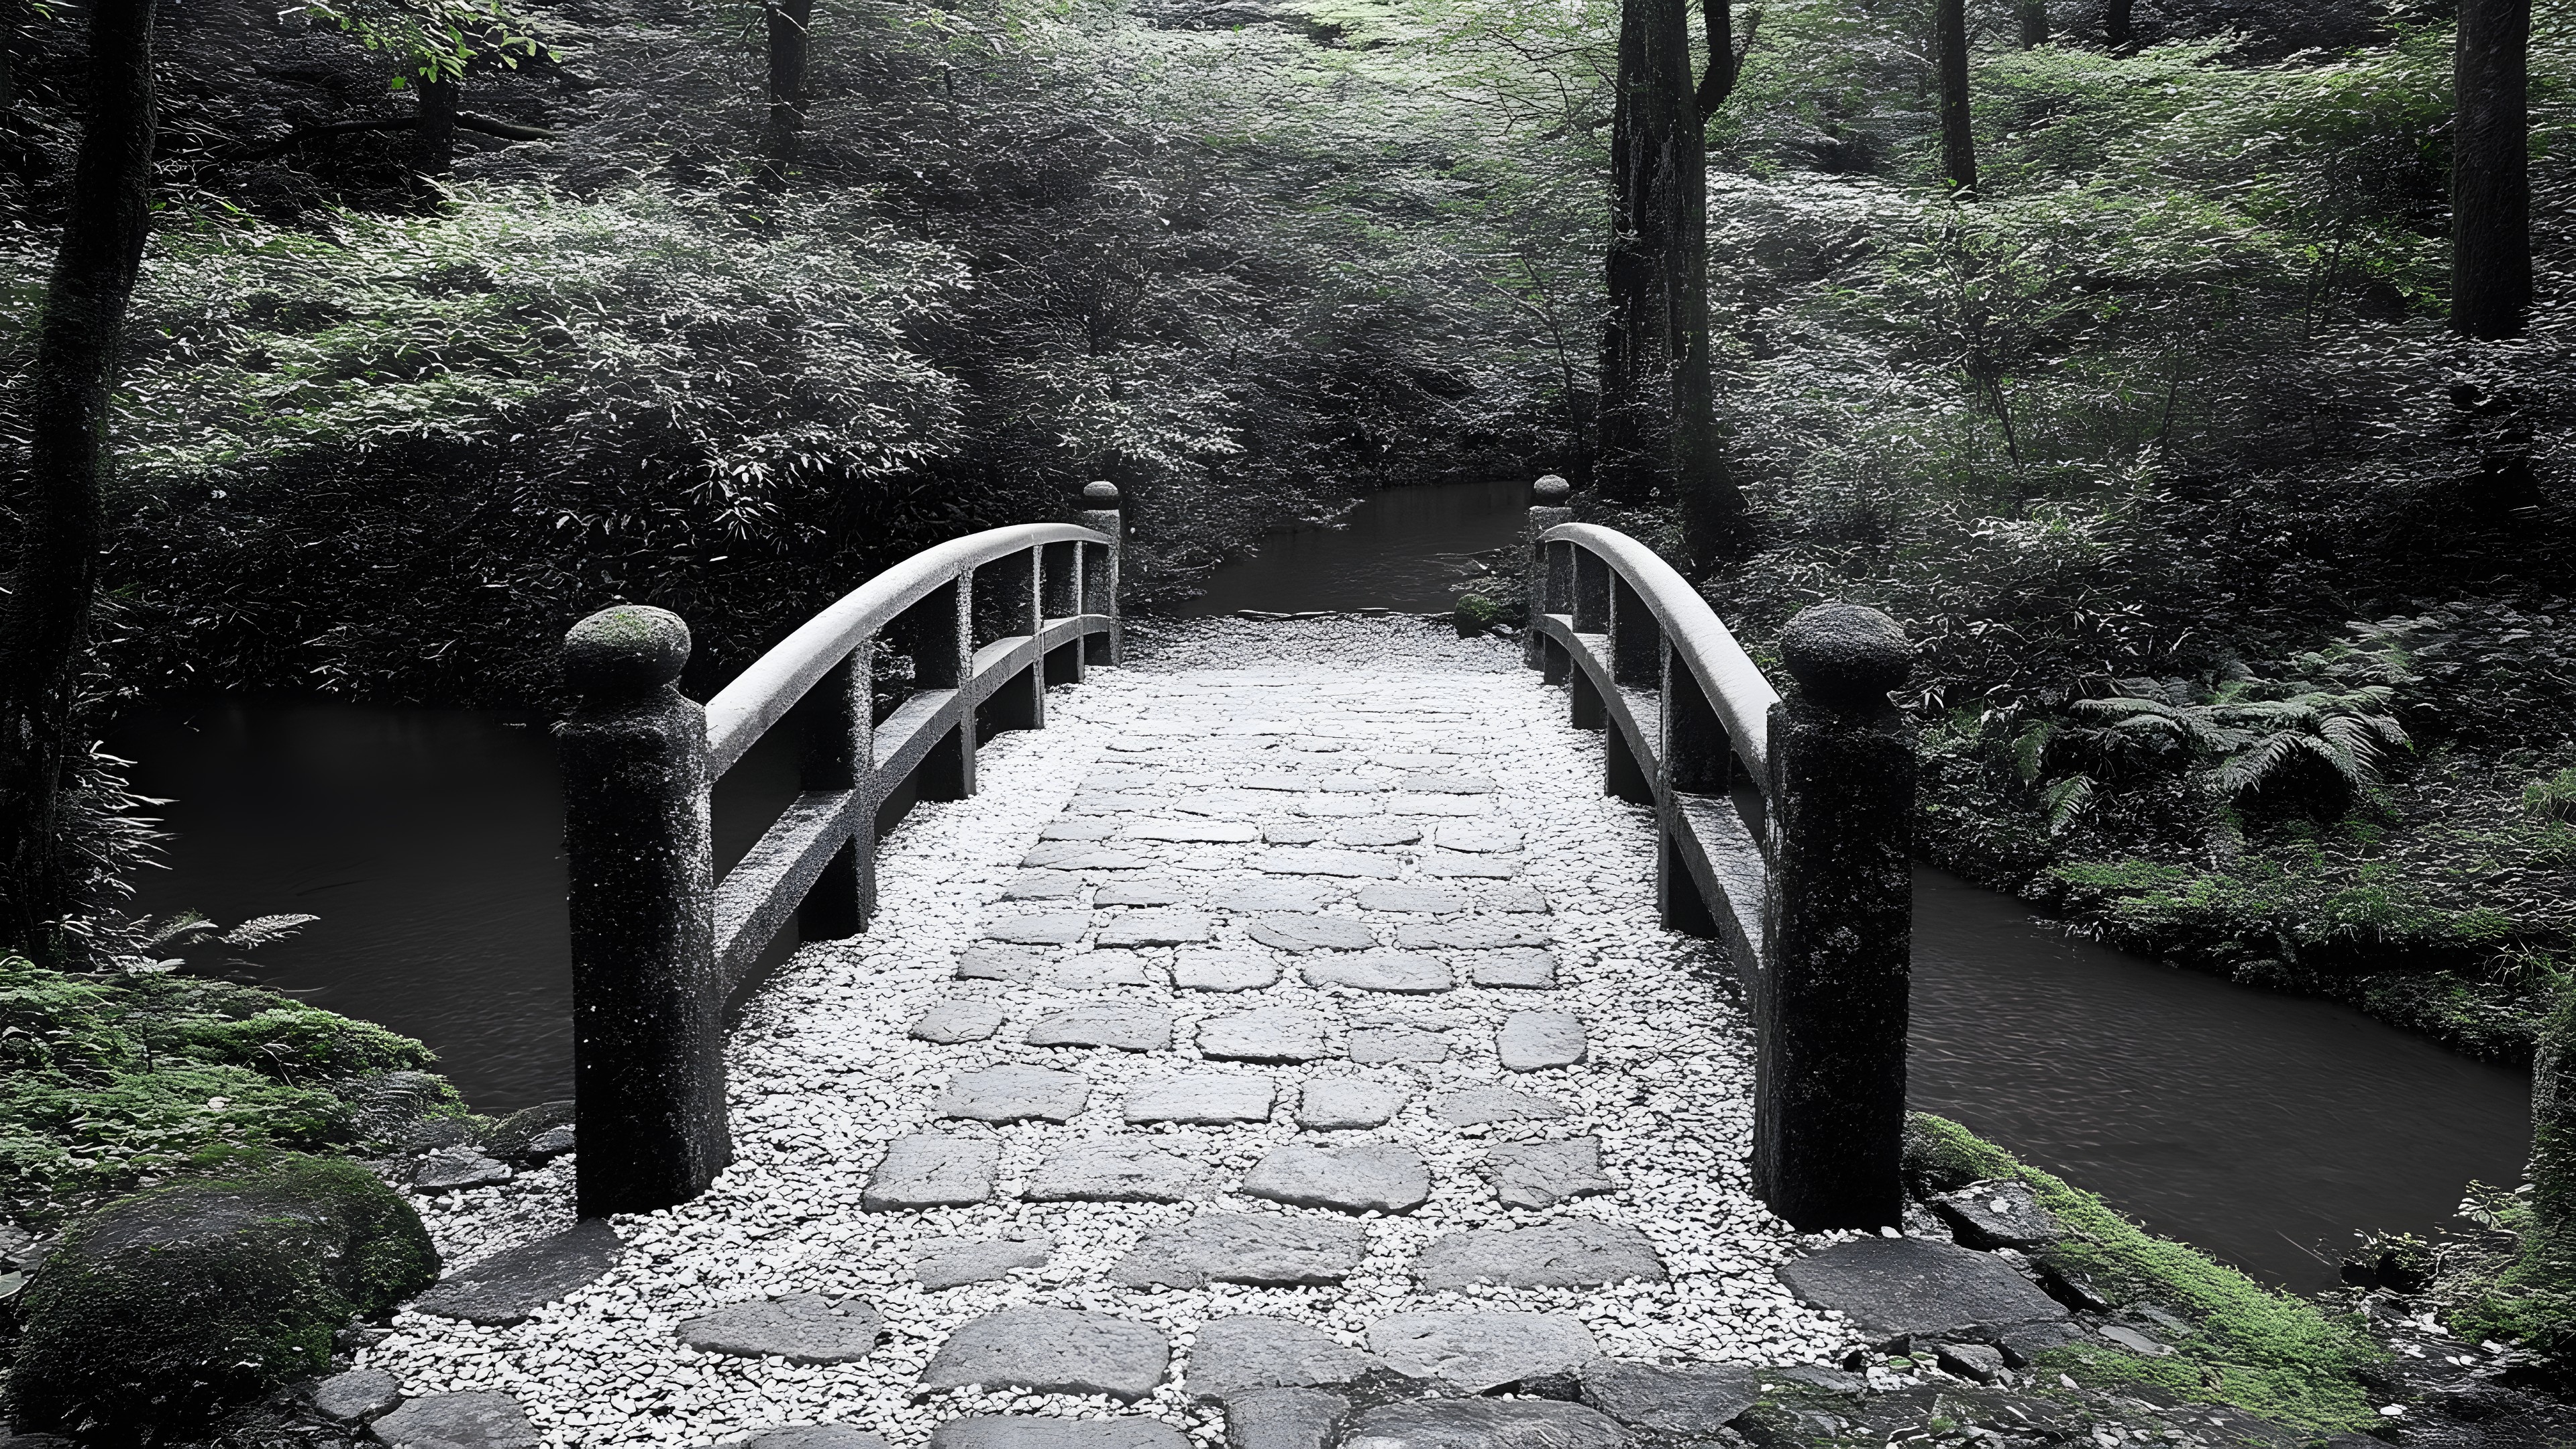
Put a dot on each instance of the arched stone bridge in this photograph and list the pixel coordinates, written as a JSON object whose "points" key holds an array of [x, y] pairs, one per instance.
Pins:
{"points": [[1291, 1024]]}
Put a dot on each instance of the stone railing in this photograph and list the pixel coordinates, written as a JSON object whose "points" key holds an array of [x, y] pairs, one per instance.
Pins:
{"points": [[658, 942], [1786, 833]]}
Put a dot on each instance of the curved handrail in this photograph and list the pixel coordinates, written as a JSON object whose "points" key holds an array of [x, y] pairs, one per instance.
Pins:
{"points": [[762, 695], [1729, 678]]}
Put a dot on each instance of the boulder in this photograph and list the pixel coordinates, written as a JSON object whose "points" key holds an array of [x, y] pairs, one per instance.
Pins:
{"points": [[1895, 1289], [532, 1136], [162, 1307], [486, 1420], [1998, 1214], [356, 1396]]}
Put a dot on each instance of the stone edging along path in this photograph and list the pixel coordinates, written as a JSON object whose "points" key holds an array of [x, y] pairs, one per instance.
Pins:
{"points": [[1331, 970]]}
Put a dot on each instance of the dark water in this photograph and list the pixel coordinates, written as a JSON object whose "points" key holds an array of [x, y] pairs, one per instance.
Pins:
{"points": [[2254, 1125], [1404, 548]]}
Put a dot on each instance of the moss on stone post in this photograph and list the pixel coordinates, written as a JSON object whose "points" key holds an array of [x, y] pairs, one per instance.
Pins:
{"points": [[2553, 1125], [1829, 1005], [648, 1006]]}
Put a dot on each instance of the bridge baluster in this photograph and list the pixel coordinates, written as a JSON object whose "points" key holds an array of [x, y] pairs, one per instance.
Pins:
{"points": [[648, 1006], [1100, 571], [839, 753], [1060, 583], [1830, 1008], [1020, 703], [940, 632]]}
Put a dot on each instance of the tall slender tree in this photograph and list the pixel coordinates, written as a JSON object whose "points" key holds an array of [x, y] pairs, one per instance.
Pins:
{"points": [[1958, 138], [1656, 424], [433, 138], [790, 46], [61, 514], [2491, 170], [2033, 16], [2119, 30]]}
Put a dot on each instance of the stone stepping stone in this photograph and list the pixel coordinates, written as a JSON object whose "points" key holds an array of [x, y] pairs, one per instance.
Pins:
{"points": [[356, 1396], [951, 1022], [1469, 933], [1483, 1424], [1234, 1355], [1576, 1253], [1354, 784], [1266, 1249], [459, 1167], [1126, 1026], [1110, 1170], [1121, 775], [1201, 832], [1514, 900], [1477, 836], [1533, 1041], [1116, 802], [1155, 928], [928, 1170], [1425, 899], [1438, 805], [1301, 934], [1087, 969], [1526, 968], [1052, 1351], [1277, 895], [804, 1328], [991, 961], [1478, 1106], [1264, 1034], [1481, 1351], [1013, 1094], [1378, 832], [1285, 1418], [1044, 885], [1378, 971], [1277, 780], [1473, 867], [950, 1262], [1039, 928], [1432, 782], [810, 1436], [484, 1419], [1379, 1045], [1998, 1215], [1225, 970], [1333, 1104], [1079, 855], [1071, 828], [1141, 891], [1291, 832], [1313, 861], [1892, 1288], [1369, 1177], [514, 1283], [1202, 1097], [1032, 1431], [1543, 1174], [1686, 1400]]}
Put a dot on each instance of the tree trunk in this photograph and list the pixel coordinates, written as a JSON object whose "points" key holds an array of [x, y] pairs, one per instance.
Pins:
{"points": [[433, 141], [2118, 35], [2033, 15], [1658, 428], [45, 618], [1958, 140], [2490, 170], [1725, 62], [790, 43]]}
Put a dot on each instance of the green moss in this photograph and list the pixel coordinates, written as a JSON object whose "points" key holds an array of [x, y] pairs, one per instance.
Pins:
{"points": [[164, 1305], [112, 1083], [2260, 1350]]}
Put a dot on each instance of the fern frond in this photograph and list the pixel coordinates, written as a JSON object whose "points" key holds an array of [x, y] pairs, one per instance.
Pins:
{"points": [[261, 930], [184, 929], [2068, 801], [2030, 749]]}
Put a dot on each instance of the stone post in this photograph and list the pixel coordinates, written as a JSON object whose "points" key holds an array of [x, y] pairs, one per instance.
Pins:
{"points": [[1100, 511], [648, 1009], [1829, 1005], [1547, 510]]}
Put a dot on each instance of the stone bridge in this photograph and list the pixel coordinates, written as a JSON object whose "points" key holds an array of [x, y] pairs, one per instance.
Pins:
{"points": [[1288, 1045]]}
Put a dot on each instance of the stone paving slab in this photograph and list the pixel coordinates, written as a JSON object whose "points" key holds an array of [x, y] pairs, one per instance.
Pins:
{"points": [[1052, 1350], [1106, 1176], [805, 1328]]}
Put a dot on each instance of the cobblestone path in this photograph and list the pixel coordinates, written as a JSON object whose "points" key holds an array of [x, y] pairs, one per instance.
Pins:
{"points": [[1260, 1022]]}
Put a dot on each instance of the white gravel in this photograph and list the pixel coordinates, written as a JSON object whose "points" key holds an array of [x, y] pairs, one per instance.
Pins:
{"points": [[823, 1074]]}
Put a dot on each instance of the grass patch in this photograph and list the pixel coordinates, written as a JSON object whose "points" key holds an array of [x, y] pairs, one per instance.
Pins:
{"points": [[2258, 1349]]}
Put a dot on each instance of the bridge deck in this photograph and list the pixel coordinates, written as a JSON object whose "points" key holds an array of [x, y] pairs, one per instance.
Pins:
{"points": [[1348, 806]]}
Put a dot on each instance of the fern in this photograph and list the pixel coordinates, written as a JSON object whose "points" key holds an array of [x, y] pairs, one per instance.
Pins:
{"points": [[259, 931]]}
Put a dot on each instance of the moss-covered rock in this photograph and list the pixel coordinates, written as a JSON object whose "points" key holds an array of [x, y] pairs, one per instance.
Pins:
{"points": [[161, 1307]]}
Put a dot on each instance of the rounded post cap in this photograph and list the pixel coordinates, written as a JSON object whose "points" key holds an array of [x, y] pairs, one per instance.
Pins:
{"points": [[1550, 490], [1101, 493], [625, 649], [1846, 656]]}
